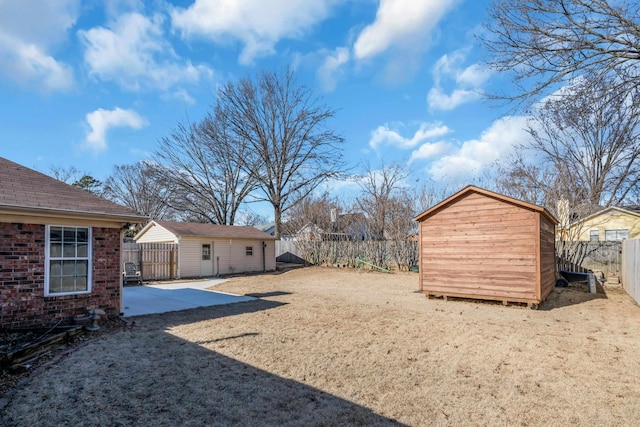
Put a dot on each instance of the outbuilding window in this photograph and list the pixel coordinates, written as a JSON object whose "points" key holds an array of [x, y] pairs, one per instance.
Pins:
{"points": [[249, 250], [67, 260], [594, 235]]}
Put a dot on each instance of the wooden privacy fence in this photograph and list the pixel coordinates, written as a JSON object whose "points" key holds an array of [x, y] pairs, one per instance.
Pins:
{"points": [[400, 255], [590, 256], [571, 256], [631, 268], [156, 261]]}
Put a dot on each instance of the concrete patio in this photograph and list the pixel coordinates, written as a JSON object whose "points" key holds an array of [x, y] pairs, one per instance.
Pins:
{"points": [[175, 296]]}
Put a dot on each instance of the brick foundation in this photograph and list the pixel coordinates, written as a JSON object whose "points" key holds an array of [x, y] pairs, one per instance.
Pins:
{"points": [[22, 266]]}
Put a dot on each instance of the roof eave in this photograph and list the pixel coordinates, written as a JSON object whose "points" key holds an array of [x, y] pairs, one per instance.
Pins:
{"points": [[67, 213], [268, 237]]}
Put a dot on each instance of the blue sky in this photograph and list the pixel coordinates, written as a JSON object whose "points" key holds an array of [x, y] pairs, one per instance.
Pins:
{"points": [[96, 84]]}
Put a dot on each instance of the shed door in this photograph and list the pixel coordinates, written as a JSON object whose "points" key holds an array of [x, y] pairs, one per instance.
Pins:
{"points": [[206, 266]]}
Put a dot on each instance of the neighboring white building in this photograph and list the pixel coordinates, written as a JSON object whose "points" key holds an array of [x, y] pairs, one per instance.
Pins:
{"points": [[211, 249]]}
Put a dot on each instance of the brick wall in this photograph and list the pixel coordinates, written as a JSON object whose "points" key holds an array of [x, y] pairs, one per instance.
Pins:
{"points": [[22, 261]]}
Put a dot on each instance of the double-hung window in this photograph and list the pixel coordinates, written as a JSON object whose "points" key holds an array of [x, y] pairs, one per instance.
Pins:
{"points": [[616, 235], [68, 260]]}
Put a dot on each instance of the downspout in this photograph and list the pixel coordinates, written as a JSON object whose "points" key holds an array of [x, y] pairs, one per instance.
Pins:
{"points": [[264, 257], [179, 258], [121, 308]]}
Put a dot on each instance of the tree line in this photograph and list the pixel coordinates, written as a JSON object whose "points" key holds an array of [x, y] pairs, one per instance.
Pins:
{"points": [[575, 75], [266, 139]]}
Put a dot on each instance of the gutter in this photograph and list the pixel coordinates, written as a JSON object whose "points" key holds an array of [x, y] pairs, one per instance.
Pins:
{"points": [[69, 213]]}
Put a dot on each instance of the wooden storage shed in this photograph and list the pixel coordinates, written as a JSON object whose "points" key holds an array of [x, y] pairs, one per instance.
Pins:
{"points": [[480, 244]]}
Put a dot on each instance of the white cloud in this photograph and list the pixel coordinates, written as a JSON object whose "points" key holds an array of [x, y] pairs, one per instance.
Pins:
{"points": [[29, 30], [430, 150], [330, 70], [384, 135], [401, 25], [257, 24], [100, 121], [475, 155], [468, 81], [474, 75], [115, 8], [344, 187], [438, 100], [183, 96], [134, 53], [28, 64]]}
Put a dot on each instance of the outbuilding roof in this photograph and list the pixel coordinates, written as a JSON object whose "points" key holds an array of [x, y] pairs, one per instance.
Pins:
{"points": [[192, 229], [473, 189], [24, 190]]}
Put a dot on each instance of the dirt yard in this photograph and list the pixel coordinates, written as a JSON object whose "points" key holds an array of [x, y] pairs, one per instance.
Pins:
{"points": [[331, 347]]}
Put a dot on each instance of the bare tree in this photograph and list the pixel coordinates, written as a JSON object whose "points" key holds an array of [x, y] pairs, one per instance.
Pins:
{"points": [[591, 135], [585, 148], [318, 212], [545, 43], [290, 148], [430, 193], [73, 176], [400, 211], [140, 188], [66, 175], [251, 218], [584, 155], [534, 183], [380, 188], [202, 163]]}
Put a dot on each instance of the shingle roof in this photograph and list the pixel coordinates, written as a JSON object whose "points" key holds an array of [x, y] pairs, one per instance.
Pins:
{"points": [[215, 230], [28, 190]]}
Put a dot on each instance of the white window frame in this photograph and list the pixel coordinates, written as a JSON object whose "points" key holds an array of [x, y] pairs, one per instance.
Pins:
{"points": [[624, 230], [49, 258], [594, 233], [248, 250]]}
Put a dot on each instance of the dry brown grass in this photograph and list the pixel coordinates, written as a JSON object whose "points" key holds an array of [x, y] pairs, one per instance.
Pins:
{"points": [[337, 347]]}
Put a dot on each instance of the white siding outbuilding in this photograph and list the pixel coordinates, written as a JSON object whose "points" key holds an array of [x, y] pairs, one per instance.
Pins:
{"points": [[211, 249]]}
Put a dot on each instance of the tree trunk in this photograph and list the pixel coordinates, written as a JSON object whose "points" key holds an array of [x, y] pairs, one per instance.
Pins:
{"points": [[277, 217]]}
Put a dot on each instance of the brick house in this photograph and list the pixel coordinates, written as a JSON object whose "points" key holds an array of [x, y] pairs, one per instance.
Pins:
{"points": [[59, 249]]}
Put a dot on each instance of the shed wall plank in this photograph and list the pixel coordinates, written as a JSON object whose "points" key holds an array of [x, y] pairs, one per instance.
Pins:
{"points": [[480, 246]]}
